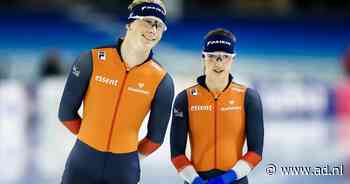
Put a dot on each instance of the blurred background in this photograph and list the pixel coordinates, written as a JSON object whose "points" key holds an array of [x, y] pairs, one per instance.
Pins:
{"points": [[292, 51]]}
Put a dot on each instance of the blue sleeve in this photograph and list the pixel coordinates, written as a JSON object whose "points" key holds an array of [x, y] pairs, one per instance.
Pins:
{"points": [[160, 110], [254, 122], [179, 125], [75, 88]]}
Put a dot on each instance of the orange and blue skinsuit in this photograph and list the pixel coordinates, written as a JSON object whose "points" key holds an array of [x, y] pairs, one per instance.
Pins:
{"points": [[115, 103], [217, 125]]}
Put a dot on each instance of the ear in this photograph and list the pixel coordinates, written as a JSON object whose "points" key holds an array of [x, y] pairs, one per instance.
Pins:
{"points": [[204, 69], [233, 60], [127, 27], [203, 63], [203, 59]]}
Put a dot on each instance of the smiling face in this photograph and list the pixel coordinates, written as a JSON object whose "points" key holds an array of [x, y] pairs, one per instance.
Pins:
{"points": [[146, 31], [217, 63]]}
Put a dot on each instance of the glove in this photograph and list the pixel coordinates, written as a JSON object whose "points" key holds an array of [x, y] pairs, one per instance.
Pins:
{"points": [[198, 180], [227, 178]]}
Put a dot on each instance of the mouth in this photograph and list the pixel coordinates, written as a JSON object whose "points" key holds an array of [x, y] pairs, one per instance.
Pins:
{"points": [[149, 39], [218, 71]]}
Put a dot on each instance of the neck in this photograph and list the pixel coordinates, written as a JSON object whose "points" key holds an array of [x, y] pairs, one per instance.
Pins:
{"points": [[216, 83], [133, 54]]}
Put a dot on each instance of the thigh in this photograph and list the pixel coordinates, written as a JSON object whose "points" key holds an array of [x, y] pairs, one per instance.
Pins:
{"points": [[72, 177], [122, 169], [84, 165]]}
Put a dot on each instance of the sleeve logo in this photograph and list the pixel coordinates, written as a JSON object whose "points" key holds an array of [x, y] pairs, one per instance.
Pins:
{"points": [[75, 70]]}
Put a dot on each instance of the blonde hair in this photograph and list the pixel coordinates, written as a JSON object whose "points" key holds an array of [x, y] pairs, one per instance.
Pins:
{"points": [[137, 2]]}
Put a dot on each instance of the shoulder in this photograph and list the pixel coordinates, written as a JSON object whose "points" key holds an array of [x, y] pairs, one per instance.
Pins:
{"points": [[167, 79], [238, 88], [83, 61], [103, 51], [252, 96], [156, 62], [238, 85], [156, 66], [181, 98], [166, 84], [192, 90], [251, 92]]}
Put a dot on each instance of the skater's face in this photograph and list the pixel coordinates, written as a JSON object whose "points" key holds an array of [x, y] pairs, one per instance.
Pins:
{"points": [[217, 63], [147, 31]]}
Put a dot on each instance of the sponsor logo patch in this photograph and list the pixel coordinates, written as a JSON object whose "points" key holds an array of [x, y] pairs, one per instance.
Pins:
{"points": [[139, 88], [201, 108], [194, 92], [231, 108], [102, 55], [105, 80], [218, 42]]}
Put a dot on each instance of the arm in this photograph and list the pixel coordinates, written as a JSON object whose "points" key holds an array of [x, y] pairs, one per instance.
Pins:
{"points": [[255, 139], [159, 117], [74, 92], [254, 132], [178, 140]]}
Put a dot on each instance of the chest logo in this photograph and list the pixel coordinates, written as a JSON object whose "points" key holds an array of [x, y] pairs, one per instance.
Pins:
{"points": [[140, 85], [201, 108], [231, 108], [105, 80], [139, 88]]}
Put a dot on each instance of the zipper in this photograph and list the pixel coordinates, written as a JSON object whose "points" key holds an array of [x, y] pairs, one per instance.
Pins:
{"points": [[116, 110], [215, 121]]}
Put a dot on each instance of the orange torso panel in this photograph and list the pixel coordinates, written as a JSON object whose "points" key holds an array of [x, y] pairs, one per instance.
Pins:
{"points": [[216, 127], [117, 101]]}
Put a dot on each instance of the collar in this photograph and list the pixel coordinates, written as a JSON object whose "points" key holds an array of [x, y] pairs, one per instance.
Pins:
{"points": [[201, 81]]}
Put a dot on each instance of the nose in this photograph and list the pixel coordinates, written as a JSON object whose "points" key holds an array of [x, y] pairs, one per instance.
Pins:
{"points": [[154, 28], [218, 59]]}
